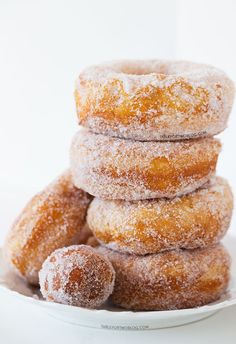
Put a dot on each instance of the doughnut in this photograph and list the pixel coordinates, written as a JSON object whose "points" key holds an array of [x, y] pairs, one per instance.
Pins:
{"points": [[113, 168], [154, 100], [77, 275], [169, 280], [199, 219], [52, 219]]}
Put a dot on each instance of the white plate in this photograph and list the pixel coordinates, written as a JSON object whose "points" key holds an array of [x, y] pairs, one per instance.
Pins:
{"points": [[114, 318]]}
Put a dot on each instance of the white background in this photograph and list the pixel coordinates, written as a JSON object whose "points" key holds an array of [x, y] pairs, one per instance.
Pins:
{"points": [[45, 44]]}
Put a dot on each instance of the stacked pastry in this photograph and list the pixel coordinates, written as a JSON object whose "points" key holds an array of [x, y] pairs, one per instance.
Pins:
{"points": [[148, 155]]}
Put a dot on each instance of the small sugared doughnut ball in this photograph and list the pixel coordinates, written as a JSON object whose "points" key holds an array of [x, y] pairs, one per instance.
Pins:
{"points": [[198, 219], [169, 280], [154, 100], [112, 168], [52, 219], [77, 276]]}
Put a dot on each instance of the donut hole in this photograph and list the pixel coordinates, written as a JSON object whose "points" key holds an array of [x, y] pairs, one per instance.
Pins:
{"points": [[162, 68], [141, 70], [80, 276]]}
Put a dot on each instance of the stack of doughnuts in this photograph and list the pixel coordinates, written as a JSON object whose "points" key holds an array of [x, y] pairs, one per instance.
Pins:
{"points": [[147, 153], [139, 216]]}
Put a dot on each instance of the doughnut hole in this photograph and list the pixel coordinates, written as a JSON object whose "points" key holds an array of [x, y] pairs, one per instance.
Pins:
{"points": [[78, 276]]}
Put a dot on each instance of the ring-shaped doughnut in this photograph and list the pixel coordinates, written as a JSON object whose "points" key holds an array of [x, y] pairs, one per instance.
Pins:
{"points": [[199, 219], [154, 99], [112, 168], [169, 280], [52, 219]]}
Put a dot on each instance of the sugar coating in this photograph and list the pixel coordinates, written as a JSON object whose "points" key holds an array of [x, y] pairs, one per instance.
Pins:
{"points": [[154, 99], [52, 219], [78, 276], [113, 168], [169, 280], [199, 219]]}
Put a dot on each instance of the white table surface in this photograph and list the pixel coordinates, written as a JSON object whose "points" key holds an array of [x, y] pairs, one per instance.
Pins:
{"points": [[23, 323]]}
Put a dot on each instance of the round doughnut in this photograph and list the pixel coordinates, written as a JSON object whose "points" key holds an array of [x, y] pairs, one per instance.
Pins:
{"points": [[169, 280], [52, 219], [154, 100], [199, 219], [113, 168], [77, 275]]}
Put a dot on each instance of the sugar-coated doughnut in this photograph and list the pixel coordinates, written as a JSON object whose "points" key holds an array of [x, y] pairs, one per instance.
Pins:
{"points": [[154, 99], [169, 280], [113, 168], [52, 219], [199, 219], [77, 275]]}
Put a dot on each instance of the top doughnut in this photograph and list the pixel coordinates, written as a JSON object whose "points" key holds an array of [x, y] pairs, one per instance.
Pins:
{"points": [[154, 100]]}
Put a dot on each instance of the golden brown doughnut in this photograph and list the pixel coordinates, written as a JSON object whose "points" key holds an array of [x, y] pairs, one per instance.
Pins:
{"points": [[77, 275], [52, 219], [154, 100], [112, 168], [169, 280], [199, 219]]}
